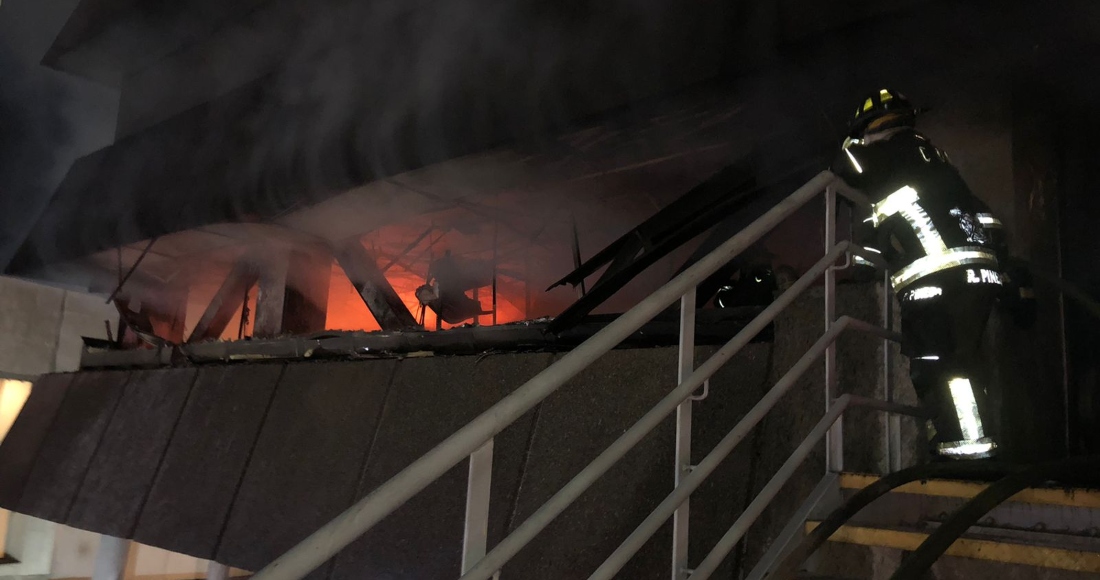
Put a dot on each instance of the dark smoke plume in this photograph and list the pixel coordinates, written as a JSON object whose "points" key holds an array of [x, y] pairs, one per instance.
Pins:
{"points": [[32, 132], [363, 90]]}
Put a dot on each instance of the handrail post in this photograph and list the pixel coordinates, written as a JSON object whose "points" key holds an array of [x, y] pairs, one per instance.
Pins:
{"points": [[475, 537], [770, 490], [634, 542], [111, 558], [834, 439], [893, 422], [216, 571], [680, 522]]}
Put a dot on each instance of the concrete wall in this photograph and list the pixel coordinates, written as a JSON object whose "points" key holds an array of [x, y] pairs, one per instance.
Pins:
{"points": [[40, 332], [31, 541], [336, 430], [75, 551], [41, 326]]}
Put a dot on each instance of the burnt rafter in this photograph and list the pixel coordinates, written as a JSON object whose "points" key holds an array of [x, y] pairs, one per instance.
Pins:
{"points": [[377, 293], [136, 323], [307, 287], [695, 212], [226, 302], [732, 199], [271, 298], [409, 248]]}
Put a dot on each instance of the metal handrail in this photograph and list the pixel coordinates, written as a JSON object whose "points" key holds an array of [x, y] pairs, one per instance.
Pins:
{"points": [[756, 508], [698, 475], [514, 542], [345, 528]]}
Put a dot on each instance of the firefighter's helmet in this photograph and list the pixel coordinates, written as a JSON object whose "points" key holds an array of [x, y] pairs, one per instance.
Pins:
{"points": [[882, 109]]}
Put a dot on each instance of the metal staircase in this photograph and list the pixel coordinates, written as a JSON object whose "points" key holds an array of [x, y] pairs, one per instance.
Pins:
{"points": [[1040, 530], [475, 440]]}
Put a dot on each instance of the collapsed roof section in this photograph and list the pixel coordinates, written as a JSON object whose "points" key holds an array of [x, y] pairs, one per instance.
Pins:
{"points": [[504, 206]]}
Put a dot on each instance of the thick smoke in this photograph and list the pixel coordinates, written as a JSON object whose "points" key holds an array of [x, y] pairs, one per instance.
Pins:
{"points": [[367, 89], [377, 88], [371, 89], [362, 90]]}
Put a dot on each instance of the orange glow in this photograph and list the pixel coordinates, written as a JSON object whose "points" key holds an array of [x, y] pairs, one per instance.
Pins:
{"points": [[346, 310], [202, 292], [529, 257], [405, 251]]}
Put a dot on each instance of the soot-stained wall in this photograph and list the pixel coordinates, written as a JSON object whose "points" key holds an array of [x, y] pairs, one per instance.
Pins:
{"points": [[260, 455]]}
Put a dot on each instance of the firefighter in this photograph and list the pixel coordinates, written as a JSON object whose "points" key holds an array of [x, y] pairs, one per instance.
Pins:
{"points": [[944, 249]]}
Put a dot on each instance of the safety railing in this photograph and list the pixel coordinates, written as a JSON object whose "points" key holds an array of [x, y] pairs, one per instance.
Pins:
{"points": [[475, 440]]}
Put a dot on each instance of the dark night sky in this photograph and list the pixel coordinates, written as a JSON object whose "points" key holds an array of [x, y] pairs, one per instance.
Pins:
{"points": [[47, 118]]}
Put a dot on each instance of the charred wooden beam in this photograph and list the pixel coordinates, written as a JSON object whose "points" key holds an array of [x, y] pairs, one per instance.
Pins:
{"points": [[293, 293], [137, 324], [409, 248], [226, 302], [169, 324], [271, 297], [729, 190], [380, 297], [151, 312], [305, 308]]}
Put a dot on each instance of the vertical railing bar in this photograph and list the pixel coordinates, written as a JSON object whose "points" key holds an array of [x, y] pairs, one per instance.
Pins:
{"points": [[111, 557], [887, 391], [475, 537], [774, 485], [827, 491], [649, 526], [526, 531], [834, 446], [682, 464], [893, 422], [216, 571]]}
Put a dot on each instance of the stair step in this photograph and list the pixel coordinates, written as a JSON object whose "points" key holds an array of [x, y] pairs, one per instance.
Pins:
{"points": [[1013, 547], [1069, 515], [1068, 497]]}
